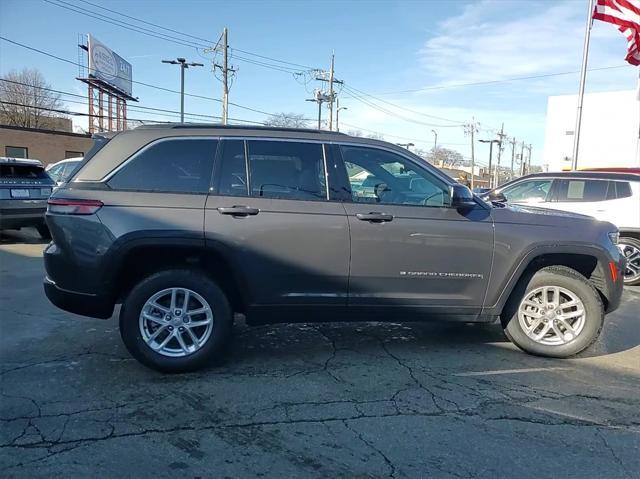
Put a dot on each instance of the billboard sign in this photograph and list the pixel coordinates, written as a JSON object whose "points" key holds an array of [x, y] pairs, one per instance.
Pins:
{"points": [[109, 67]]}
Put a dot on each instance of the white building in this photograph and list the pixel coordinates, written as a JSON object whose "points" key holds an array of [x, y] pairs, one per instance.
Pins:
{"points": [[609, 133]]}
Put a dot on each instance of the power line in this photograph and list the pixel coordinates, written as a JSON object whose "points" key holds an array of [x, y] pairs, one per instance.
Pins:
{"points": [[171, 38], [122, 24], [146, 22], [491, 82], [362, 99], [459, 123], [148, 85], [130, 107]]}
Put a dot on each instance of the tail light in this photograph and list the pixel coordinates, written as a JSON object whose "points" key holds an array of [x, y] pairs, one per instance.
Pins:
{"points": [[64, 206]]}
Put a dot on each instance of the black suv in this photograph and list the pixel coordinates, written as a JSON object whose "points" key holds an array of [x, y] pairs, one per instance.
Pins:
{"points": [[24, 189], [185, 225]]}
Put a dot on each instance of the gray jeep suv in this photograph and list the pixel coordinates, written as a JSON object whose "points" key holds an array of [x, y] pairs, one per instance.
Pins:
{"points": [[185, 225]]}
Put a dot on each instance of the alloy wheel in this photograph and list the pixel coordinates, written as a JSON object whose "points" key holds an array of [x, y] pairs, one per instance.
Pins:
{"points": [[632, 253], [551, 315], [176, 322]]}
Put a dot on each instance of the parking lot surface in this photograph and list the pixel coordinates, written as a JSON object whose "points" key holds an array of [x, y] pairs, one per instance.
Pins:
{"points": [[310, 400]]}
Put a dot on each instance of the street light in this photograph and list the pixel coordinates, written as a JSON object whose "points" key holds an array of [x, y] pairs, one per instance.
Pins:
{"points": [[338, 108], [435, 141], [491, 142], [183, 66], [405, 145]]}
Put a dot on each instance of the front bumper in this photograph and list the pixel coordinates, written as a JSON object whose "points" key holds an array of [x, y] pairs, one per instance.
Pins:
{"points": [[84, 304]]}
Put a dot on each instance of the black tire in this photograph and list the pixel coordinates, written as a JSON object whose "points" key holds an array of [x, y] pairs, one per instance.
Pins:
{"points": [[576, 283], [636, 244], [196, 282], [43, 231]]}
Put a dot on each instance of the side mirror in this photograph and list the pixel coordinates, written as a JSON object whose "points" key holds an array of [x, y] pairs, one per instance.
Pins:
{"points": [[497, 197], [461, 197]]}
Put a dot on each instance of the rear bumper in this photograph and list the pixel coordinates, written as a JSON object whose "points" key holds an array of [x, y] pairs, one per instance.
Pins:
{"points": [[91, 305], [25, 216]]}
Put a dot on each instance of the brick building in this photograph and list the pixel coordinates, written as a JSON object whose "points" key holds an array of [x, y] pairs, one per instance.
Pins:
{"points": [[48, 146]]}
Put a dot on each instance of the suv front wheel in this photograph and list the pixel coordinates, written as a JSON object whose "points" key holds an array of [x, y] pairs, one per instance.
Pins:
{"points": [[559, 315], [175, 321], [630, 248]]}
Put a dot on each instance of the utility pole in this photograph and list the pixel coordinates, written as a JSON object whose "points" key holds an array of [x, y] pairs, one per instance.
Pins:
{"points": [[224, 68], [471, 130], [529, 159], [435, 140], [320, 98], [513, 156], [491, 142], [331, 93], [522, 159], [501, 136], [331, 97], [338, 108], [183, 66]]}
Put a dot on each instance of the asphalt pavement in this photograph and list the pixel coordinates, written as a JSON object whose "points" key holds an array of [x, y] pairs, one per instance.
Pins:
{"points": [[330, 400]]}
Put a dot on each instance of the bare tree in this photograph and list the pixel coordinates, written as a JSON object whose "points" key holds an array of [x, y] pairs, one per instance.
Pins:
{"points": [[445, 157], [375, 136], [25, 100], [287, 120]]}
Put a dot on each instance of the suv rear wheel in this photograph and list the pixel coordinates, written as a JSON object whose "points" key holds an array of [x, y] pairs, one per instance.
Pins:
{"points": [[175, 321], [630, 248], [559, 315]]}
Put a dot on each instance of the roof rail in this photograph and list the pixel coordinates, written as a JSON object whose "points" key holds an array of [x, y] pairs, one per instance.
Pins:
{"points": [[219, 126]]}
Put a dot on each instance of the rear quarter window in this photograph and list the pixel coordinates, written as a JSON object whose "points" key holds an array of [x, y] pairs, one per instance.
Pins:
{"points": [[623, 189], [180, 165]]}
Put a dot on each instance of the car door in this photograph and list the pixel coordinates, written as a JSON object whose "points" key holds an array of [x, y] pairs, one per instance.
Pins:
{"points": [[269, 210], [160, 191], [583, 195], [408, 247]]}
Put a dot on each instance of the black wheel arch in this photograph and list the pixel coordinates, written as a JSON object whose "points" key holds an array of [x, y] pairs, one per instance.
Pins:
{"points": [[135, 258], [590, 261]]}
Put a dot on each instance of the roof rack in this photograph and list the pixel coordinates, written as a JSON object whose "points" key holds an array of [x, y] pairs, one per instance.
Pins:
{"points": [[219, 126]]}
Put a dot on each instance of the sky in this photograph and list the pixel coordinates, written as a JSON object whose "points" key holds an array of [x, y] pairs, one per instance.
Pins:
{"points": [[416, 66]]}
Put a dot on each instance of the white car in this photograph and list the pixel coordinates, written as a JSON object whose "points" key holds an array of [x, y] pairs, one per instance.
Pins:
{"points": [[613, 197], [61, 170]]}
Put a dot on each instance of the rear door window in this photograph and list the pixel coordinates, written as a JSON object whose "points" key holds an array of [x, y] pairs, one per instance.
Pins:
{"points": [[582, 190], [232, 172], [286, 170], [177, 165]]}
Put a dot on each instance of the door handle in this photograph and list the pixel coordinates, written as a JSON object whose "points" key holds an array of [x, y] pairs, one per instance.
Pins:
{"points": [[238, 211], [374, 217]]}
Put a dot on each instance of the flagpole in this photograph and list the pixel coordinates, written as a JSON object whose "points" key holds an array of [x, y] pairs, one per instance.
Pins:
{"points": [[583, 77]]}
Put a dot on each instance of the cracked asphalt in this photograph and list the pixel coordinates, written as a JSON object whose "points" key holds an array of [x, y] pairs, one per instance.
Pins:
{"points": [[313, 400]]}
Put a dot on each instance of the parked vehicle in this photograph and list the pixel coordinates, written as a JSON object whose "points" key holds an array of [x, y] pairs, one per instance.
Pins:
{"points": [[184, 225], [481, 190], [62, 170], [607, 196], [24, 189]]}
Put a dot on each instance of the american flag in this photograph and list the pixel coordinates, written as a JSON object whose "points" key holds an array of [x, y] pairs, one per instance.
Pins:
{"points": [[625, 14]]}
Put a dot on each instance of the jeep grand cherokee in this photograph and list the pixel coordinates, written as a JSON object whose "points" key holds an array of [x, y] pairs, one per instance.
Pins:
{"points": [[184, 225]]}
